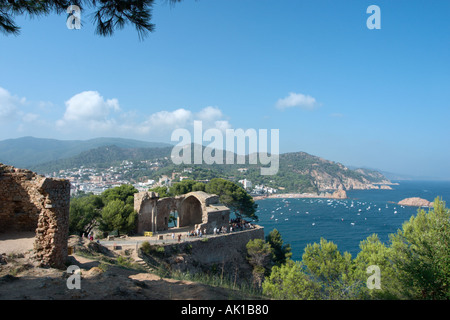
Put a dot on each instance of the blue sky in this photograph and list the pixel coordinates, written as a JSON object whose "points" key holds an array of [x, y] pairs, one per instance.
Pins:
{"points": [[312, 69]]}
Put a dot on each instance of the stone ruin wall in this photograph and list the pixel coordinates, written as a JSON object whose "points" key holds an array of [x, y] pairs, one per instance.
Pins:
{"points": [[196, 209], [30, 202], [226, 252]]}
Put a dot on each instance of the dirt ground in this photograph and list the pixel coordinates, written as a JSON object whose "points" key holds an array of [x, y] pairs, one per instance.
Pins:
{"points": [[101, 278], [16, 242]]}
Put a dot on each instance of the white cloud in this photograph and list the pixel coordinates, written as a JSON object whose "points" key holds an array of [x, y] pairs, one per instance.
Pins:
{"points": [[167, 121], [88, 114], [299, 100], [89, 105], [209, 114], [212, 117], [89, 110], [9, 106], [92, 113]]}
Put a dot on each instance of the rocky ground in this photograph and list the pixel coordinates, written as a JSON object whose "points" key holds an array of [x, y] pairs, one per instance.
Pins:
{"points": [[104, 275]]}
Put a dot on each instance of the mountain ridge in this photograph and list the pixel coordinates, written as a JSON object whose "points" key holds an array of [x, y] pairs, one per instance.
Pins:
{"points": [[298, 171], [29, 151]]}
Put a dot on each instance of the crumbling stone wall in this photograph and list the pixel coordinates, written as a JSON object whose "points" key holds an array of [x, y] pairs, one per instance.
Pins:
{"points": [[224, 255], [196, 209], [30, 202]]}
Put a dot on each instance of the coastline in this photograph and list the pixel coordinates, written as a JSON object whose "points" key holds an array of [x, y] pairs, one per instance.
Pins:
{"points": [[338, 194], [300, 195]]}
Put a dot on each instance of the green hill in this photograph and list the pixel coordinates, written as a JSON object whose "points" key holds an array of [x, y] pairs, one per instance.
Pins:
{"points": [[299, 172], [28, 152]]}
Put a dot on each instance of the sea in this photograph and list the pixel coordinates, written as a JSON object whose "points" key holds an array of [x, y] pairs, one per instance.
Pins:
{"points": [[346, 222]]}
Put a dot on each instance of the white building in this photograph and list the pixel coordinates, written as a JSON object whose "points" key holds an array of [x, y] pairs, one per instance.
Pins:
{"points": [[246, 183]]}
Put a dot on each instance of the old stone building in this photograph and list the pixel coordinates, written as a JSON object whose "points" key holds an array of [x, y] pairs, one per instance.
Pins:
{"points": [[195, 209], [30, 202]]}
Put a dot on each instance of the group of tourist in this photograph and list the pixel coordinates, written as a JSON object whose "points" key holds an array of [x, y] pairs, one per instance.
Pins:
{"points": [[220, 230], [235, 225], [239, 224], [196, 233]]}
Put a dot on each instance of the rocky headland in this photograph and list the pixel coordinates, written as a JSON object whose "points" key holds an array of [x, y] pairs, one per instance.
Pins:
{"points": [[416, 202]]}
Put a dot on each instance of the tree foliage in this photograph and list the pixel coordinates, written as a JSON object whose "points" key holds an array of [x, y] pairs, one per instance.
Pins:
{"points": [[234, 197], [186, 186], [85, 211], [107, 15], [162, 191], [117, 215], [421, 254], [113, 210], [124, 193], [260, 256], [281, 252]]}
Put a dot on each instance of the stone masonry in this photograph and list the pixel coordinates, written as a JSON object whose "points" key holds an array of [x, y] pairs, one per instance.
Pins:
{"points": [[195, 209], [30, 202]]}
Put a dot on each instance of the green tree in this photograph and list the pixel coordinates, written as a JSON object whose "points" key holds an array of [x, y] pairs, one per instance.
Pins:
{"points": [[334, 271], [84, 213], [234, 197], [117, 215], [282, 252], [125, 193], [162, 192], [259, 255], [107, 15], [186, 186], [374, 253], [420, 252], [290, 282]]}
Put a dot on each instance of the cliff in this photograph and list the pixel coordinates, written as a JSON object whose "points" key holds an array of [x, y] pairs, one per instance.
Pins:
{"points": [[328, 176]]}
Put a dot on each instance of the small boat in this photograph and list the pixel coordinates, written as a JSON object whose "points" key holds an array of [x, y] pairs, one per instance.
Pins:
{"points": [[352, 223], [313, 223]]}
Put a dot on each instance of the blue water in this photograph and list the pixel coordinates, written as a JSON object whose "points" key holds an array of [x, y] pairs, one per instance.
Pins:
{"points": [[346, 222]]}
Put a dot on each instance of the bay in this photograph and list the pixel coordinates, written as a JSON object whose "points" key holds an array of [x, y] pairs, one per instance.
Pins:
{"points": [[349, 221]]}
